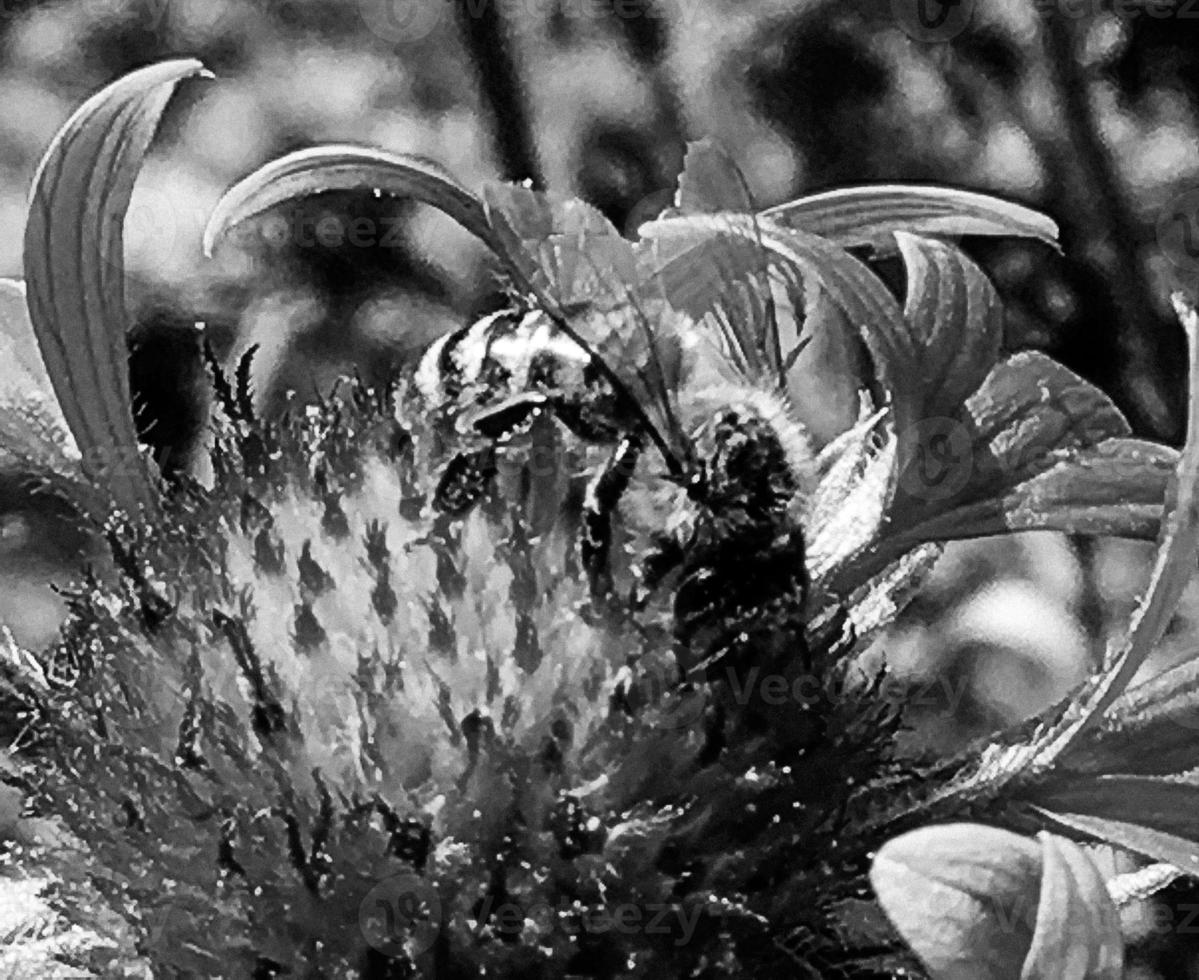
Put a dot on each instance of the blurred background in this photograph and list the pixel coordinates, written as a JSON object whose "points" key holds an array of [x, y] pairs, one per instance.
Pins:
{"points": [[1086, 110]]}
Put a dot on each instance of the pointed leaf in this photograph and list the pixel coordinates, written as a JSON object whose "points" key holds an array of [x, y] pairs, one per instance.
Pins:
{"points": [[74, 268], [1114, 489], [1031, 408], [1167, 805], [1026, 417], [855, 216], [1150, 730], [1039, 448], [1077, 935], [345, 167], [1154, 844], [955, 322]]}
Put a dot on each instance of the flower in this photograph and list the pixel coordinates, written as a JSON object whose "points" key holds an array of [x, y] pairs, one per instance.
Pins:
{"points": [[301, 721]]}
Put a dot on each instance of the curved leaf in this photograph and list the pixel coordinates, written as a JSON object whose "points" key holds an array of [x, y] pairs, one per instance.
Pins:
{"points": [[1150, 730], [1077, 934], [1173, 568], [1038, 746], [1166, 805], [855, 216], [1039, 449], [340, 167], [955, 319], [963, 896], [74, 269], [1115, 488]]}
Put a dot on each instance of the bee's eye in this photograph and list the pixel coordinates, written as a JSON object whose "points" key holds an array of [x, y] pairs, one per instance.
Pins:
{"points": [[696, 484]]}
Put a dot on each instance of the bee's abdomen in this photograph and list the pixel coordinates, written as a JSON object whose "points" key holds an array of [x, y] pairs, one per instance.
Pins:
{"points": [[733, 592]]}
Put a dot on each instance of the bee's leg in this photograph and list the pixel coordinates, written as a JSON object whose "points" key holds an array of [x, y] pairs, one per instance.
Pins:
{"points": [[601, 499], [464, 481], [668, 553]]}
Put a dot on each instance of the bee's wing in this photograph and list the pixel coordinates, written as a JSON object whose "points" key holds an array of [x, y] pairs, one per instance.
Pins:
{"points": [[566, 251], [742, 297], [578, 268]]}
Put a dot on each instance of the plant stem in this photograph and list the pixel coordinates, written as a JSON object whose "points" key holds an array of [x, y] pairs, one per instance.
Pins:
{"points": [[489, 44], [1104, 216]]}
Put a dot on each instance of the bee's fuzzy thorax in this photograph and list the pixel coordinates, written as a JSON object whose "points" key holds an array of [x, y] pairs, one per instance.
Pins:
{"points": [[773, 408]]}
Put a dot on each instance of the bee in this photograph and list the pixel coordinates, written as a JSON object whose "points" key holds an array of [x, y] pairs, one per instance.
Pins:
{"points": [[489, 380], [627, 372]]}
